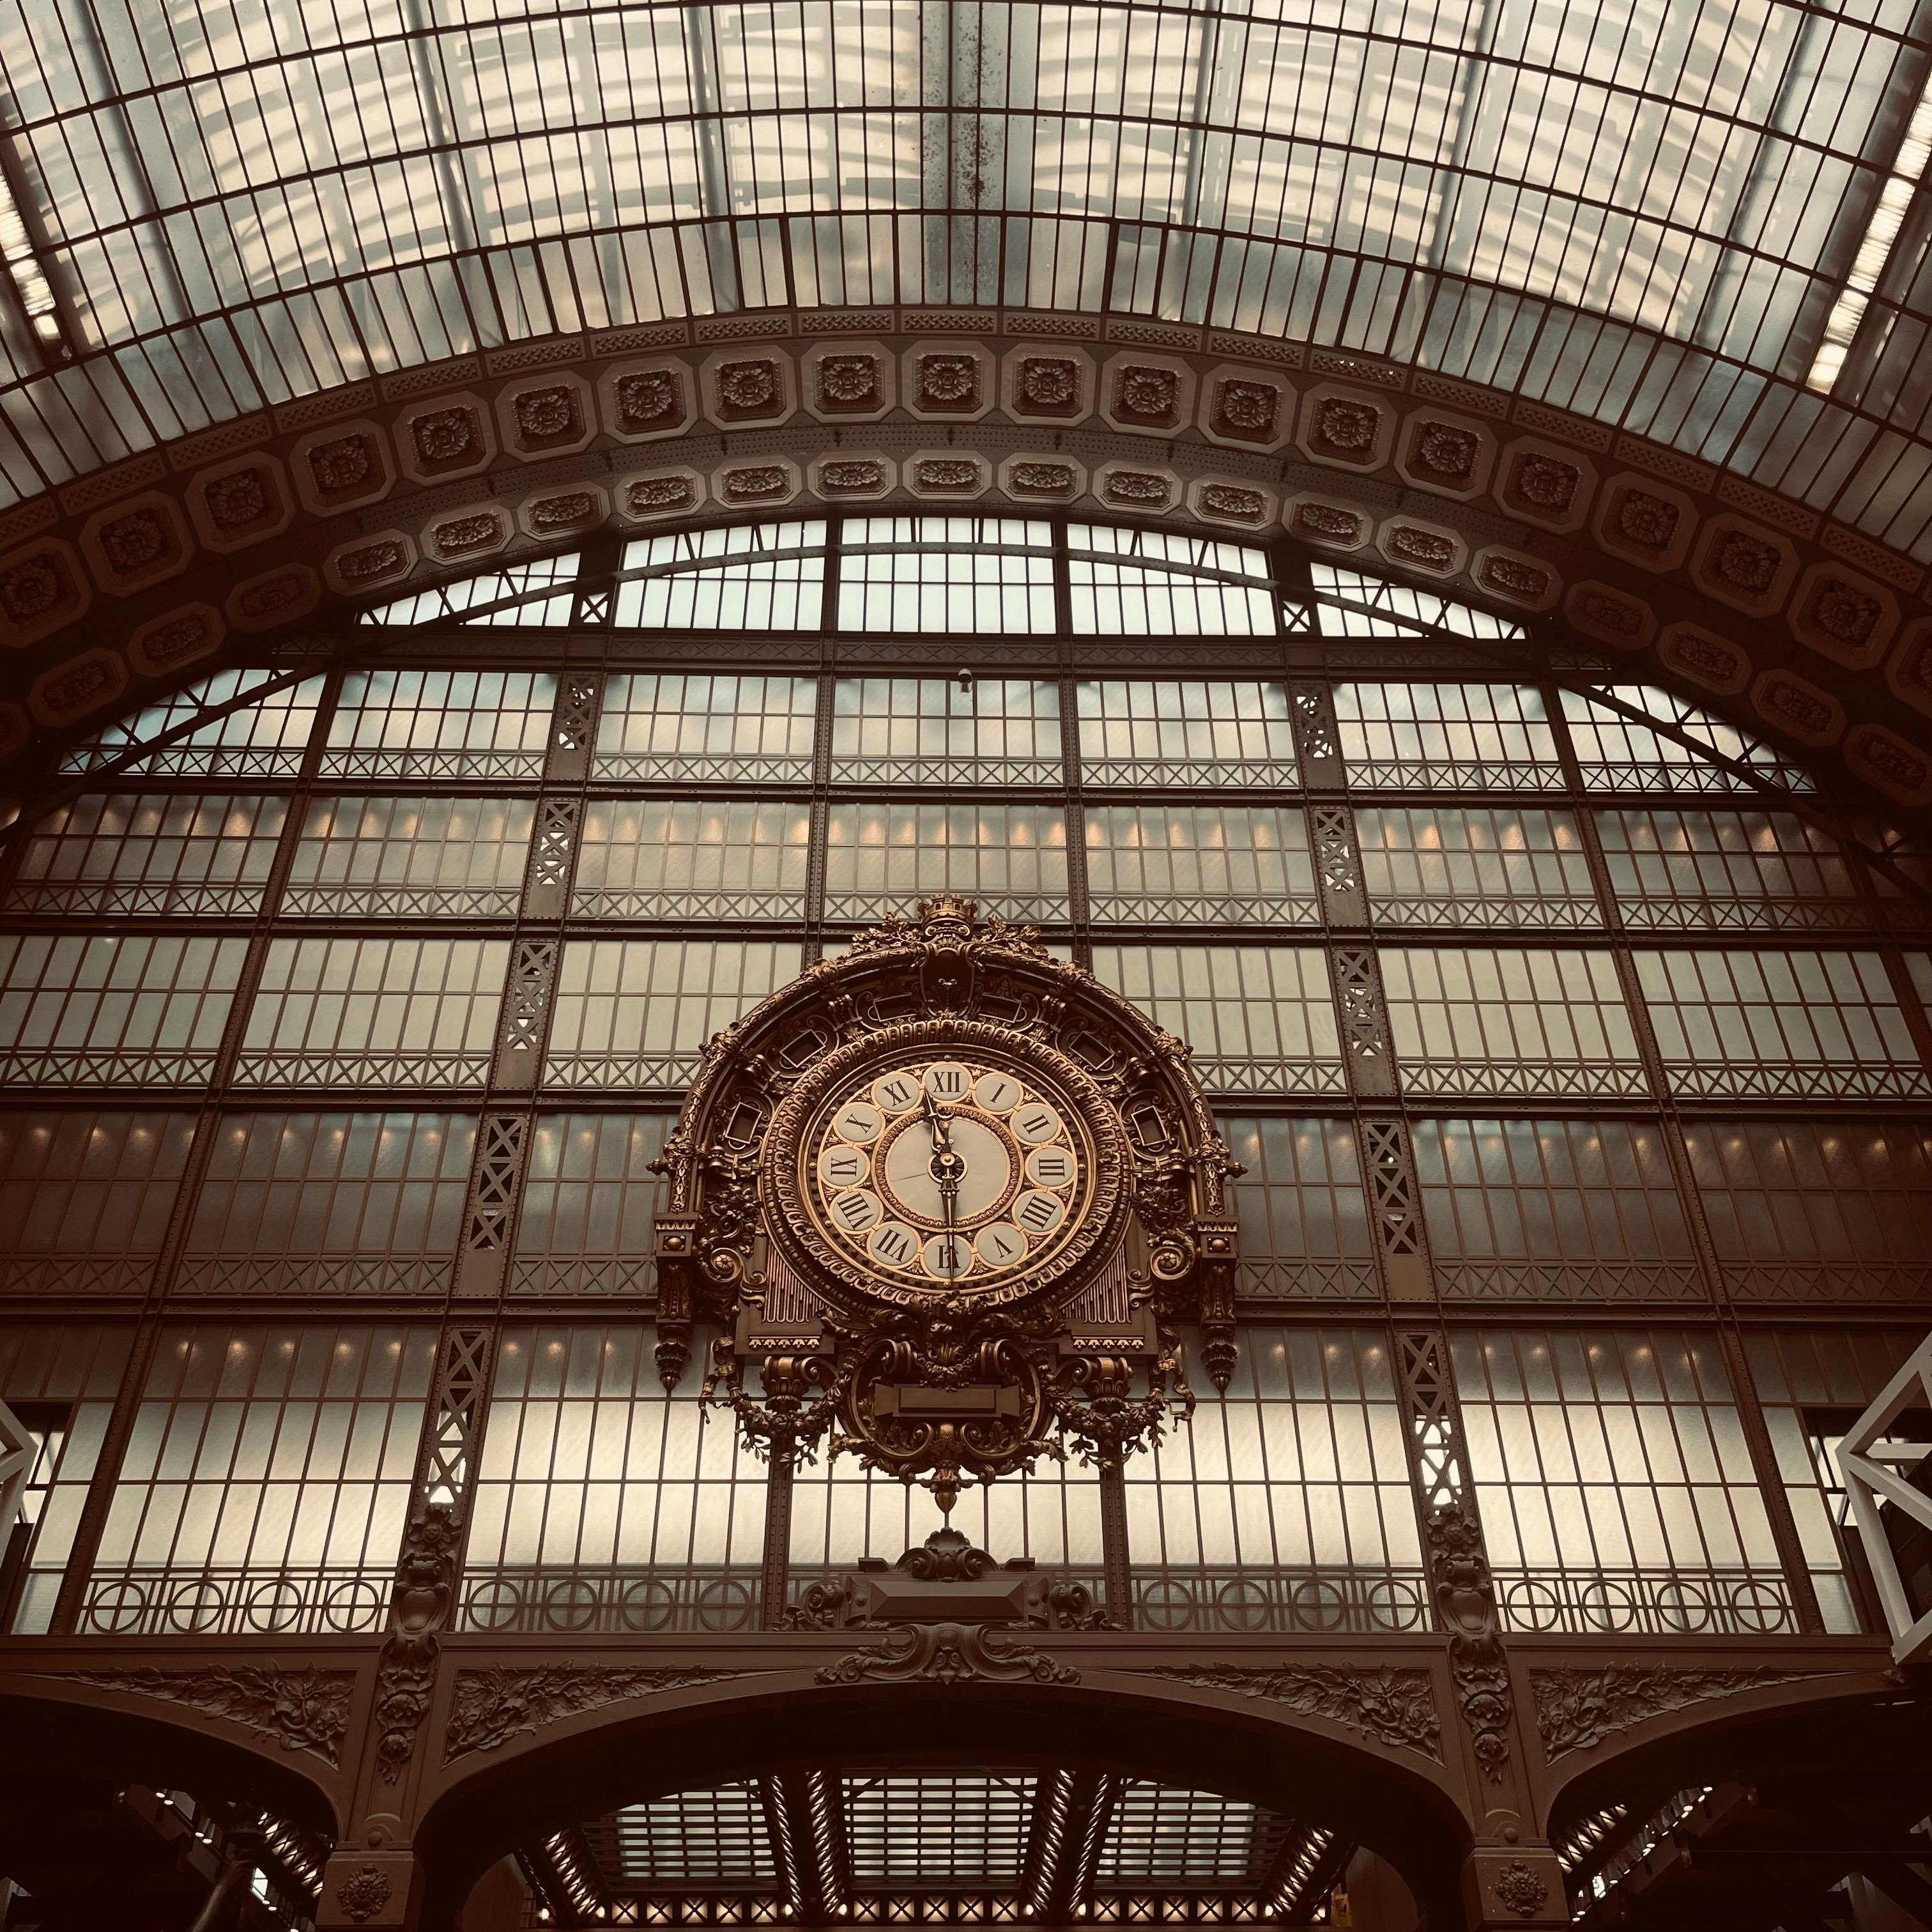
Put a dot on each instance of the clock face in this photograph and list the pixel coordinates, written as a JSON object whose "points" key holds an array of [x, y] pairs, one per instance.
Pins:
{"points": [[957, 1172], [956, 1162]]}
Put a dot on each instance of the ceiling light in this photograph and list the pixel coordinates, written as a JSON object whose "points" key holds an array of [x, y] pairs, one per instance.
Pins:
{"points": [[1868, 266]]}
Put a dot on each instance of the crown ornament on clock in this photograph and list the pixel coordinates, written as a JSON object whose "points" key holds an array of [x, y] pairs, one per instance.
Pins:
{"points": [[950, 1203]]}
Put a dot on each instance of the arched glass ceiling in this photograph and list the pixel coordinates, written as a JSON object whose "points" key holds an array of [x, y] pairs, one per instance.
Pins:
{"points": [[1695, 220]]}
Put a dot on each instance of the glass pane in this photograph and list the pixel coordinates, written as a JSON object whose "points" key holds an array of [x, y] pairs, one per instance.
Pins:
{"points": [[688, 859], [881, 857], [1457, 865], [905, 730], [410, 858], [135, 853], [330, 1204], [1260, 1019], [1212, 865], [1186, 734]]}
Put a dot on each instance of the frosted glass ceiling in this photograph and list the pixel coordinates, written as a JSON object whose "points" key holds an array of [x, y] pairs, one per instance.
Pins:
{"points": [[1694, 219]]}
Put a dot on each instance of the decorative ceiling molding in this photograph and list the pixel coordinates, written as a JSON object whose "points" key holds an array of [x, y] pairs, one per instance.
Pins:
{"points": [[161, 569]]}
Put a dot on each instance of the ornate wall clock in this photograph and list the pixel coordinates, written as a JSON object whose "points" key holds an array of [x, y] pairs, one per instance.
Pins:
{"points": [[948, 1199]]}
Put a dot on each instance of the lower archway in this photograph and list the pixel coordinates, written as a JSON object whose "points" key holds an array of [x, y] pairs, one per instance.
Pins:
{"points": [[1070, 1796]]}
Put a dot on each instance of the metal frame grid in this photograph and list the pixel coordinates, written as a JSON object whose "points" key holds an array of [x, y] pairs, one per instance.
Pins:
{"points": [[568, 992]]}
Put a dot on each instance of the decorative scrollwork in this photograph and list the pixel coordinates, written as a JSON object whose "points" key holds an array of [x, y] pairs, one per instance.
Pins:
{"points": [[997, 1424], [425, 1587], [948, 1653], [1466, 1607]]}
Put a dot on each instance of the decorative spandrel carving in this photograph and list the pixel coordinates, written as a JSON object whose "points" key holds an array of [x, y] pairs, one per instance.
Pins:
{"points": [[1576, 1710], [489, 1708], [948, 1198], [1392, 1706], [305, 1710]]}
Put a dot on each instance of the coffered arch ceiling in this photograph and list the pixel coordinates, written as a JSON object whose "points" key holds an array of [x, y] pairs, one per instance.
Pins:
{"points": [[1691, 257]]}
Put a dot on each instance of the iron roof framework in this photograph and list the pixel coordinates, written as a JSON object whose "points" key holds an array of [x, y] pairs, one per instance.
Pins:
{"points": [[1710, 227], [897, 1845]]}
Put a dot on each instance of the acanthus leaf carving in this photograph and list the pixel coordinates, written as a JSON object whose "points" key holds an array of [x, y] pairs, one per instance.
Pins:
{"points": [[1465, 1606], [419, 1607], [1576, 1710], [306, 1709], [1392, 1706], [489, 1708]]}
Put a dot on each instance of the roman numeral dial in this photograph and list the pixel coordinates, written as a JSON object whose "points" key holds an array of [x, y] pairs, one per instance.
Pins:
{"points": [[947, 1174]]}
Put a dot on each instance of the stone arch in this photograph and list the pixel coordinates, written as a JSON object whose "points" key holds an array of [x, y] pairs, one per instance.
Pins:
{"points": [[1751, 604], [171, 1739], [1402, 1804]]}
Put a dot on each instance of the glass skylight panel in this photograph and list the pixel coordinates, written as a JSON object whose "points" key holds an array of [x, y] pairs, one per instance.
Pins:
{"points": [[729, 540], [1411, 607], [1155, 583], [1158, 1835], [254, 224], [745, 577], [262, 739], [493, 586], [938, 1828], [699, 1837], [1617, 753]]}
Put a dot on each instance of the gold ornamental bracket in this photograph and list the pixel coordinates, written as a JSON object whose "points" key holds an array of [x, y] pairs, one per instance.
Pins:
{"points": [[949, 1198]]}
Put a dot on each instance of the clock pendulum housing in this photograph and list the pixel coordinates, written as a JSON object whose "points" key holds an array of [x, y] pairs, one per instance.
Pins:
{"points": [[950, 1201]]}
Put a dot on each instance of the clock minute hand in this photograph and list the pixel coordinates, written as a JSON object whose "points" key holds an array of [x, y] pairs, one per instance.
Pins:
{"points": [[945, 1162]]}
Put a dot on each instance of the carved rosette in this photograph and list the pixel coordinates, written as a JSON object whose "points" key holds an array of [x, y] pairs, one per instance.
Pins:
{"points": [[363, 1894], [932, 1380]]}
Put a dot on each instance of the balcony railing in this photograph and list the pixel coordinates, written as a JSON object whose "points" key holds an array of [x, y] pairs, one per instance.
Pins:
{"points": [[515, 1599], [1649, 1602], [1308, 1601], [512, 1600], [236, 1602]]}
